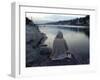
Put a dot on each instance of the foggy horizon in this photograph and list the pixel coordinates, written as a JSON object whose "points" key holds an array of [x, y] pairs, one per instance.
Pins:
{"points": [[39, 18]]}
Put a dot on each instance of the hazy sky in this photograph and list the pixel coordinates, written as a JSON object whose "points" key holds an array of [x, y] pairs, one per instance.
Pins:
{"points": [[44, 18]]}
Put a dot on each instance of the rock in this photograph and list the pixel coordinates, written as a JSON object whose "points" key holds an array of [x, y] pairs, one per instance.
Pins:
{"points": [[34, 39]]}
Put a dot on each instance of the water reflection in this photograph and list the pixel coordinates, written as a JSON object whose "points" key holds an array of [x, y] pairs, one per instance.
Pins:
{"points": [[78, 41]]}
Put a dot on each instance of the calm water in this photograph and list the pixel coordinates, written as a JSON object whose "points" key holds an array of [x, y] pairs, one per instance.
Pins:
{"points": [[78, 42]]}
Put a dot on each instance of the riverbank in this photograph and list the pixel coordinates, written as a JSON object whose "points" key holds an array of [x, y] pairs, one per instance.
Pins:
{"points": [[38, 50]]}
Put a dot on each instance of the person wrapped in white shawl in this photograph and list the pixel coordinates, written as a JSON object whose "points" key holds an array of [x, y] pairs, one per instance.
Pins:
{"points": [[60, 48]]}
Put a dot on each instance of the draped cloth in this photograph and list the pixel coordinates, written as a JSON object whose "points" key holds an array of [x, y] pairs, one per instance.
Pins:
{"points": [[60, 48]]}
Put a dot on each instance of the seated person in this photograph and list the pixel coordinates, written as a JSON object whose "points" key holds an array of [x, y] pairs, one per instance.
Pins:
{"points": [[60, 48]]}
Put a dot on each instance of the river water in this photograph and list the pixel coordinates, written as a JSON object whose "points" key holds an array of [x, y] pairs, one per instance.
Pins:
{"points": [[77, 41]]}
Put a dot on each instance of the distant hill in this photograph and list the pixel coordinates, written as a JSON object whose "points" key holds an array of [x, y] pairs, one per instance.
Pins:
{"points": [[83, 21]]}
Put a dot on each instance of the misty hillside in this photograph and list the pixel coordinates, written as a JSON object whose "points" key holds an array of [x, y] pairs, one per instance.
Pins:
{"points": [[84, 21]]}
